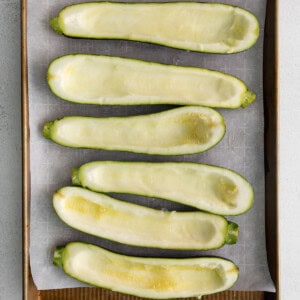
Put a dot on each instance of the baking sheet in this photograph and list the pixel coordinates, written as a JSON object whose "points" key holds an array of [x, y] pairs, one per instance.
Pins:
{"points": [[241, 149]]}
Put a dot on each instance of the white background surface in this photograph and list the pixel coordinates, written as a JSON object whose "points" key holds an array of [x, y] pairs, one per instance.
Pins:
{"points": [[10, 152], [289, 205], [10, 149]]}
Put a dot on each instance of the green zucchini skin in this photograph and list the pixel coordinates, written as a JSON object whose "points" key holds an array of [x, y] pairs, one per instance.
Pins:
{"points": [[208, 188], [158, 23], [132, 224], [183, 130], [153, 278], [109, 80]]}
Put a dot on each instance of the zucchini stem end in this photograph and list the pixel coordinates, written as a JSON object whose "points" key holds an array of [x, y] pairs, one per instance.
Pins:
{"points": [[55, 25], [47, 129], [75, 176], [248, 98], [57, 256], [232, 233]]}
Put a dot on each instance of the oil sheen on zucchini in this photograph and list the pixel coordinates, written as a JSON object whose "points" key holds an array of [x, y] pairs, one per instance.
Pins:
{"points": [[178, 131], [128, 223], [214, 28], [209, 188], [97, 79], [154, 278]]}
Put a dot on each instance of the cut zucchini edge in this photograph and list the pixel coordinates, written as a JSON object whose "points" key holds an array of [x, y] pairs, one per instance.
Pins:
{"points": [[154, 278], [186, 130], [126, 91], [132, 224], [83, 176], [160, 37]]}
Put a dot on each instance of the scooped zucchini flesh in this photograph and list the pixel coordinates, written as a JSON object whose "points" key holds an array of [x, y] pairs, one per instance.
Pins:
{"points": [[178, 131], [137, 225], [96, 79], [209, 188], [214, 28], [154, 278]]}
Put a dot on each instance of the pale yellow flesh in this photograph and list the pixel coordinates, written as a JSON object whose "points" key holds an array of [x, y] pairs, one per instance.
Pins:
{"points": [[184, 130], [208, 188], [151, 278], [112, 80], [195, 26], [106, 217]]}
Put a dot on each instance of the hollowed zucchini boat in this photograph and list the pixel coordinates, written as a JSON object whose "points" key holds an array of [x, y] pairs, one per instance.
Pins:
{"points": [[154, 278], [96, 79], [178, 131], [204, 27], [137, 225], [209, 188]]}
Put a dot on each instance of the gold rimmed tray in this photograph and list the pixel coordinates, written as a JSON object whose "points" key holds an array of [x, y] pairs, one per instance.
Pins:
{"points": [[271, 108]]}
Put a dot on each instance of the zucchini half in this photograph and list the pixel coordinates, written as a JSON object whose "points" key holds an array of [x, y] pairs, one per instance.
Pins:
{"points": [[107, 80], [182, 130], [154, 278], [209, 188], [214, 28], [136, 225]]}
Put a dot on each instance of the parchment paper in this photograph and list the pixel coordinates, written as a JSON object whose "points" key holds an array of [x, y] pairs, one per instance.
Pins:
{"points": [[241, 150]]}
